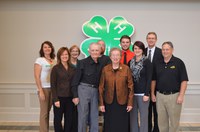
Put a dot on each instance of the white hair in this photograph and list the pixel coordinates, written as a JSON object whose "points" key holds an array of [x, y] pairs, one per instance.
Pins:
{"points": [[94, 44]]}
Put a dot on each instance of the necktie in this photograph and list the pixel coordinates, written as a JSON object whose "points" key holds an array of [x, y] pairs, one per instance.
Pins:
{"points": [[149, 57], [124, 57]]}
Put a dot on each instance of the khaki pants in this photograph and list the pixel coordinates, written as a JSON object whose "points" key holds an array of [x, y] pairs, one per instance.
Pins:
{"points": [[45, 107], [168, 112]]}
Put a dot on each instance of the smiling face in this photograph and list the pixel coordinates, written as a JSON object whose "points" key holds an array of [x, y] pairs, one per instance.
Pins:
{"points": [[125, 43], [151, 40], [46, 49], [115, 56], [137, 51], [64, 56], [95, 50], [74, 53], [167, 51]]}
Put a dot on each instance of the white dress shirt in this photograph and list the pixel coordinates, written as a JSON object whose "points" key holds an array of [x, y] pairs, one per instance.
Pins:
{"points": [[152, 52]]}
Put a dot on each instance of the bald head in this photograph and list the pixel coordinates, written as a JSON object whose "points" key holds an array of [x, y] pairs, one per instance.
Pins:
{"points": [[102, 44], [94, 50]]}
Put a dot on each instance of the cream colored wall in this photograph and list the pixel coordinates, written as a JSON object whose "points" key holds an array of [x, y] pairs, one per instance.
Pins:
{"points": [[24, 25]]}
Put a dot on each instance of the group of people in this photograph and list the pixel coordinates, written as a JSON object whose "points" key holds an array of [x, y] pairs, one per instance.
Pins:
{"points": [[149, 82], [53, 79]]}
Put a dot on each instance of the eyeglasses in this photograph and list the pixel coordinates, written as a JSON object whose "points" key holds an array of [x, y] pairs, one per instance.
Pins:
{"points": [[75, 51]]}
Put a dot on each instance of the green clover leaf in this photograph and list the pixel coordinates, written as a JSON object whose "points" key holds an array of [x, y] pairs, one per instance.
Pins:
{"points": [[98, 29]]}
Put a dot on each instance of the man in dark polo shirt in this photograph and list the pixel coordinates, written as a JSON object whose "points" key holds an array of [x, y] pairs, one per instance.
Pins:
{"points": [[170, 78], [85, 89]]}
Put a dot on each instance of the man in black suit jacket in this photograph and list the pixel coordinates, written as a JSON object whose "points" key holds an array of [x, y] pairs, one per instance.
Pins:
{"points": [[154, 54]]}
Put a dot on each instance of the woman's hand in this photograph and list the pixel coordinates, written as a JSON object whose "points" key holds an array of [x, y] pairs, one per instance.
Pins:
{"points": [[153, 97], [57, 104], [145, 98], [41, 95], [102, 109], [75, 101], [129, 108]]}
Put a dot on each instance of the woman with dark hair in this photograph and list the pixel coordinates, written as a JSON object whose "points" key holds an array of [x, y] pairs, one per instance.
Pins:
{"points": [[61, 77], [42, 70], [141, 69]]}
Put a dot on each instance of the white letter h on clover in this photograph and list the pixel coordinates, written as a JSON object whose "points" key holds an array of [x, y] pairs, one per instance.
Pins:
{"points": [[96, 26], [121, 28]]}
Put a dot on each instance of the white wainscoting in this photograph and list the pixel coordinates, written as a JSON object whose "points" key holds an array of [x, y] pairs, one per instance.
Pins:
{"points": [[191, 106], [19, 102]]}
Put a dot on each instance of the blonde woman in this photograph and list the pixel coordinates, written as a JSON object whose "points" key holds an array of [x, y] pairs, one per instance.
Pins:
{"points": [[74, 52]]}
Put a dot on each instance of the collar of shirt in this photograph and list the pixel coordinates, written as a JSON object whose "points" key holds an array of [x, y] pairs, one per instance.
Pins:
{"points": [[170, 61], [91, 61], [152, 50], [111, 68], [127, 51], [70, 67]]}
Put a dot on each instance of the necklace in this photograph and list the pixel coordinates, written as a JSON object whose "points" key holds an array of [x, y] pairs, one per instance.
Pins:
{"points": [[50, 60]]}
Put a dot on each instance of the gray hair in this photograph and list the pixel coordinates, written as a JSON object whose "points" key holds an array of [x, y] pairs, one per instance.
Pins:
{"points": [[115, 49], [94, 44], [168, 43]]}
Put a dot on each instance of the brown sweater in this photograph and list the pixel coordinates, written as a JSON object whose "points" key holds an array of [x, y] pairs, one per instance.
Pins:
{"points": [[61, 81]]}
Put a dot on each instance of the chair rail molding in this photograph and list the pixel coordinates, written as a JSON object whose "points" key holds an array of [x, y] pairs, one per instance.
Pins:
{"points": [[19, 102]]}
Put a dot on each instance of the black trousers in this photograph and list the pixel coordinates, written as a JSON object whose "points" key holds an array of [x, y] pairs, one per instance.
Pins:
{"points": [[75, 120], [152, 109], [66, 109]]}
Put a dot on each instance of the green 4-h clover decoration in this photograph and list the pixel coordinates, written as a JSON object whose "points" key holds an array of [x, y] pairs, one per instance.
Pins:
{"points": [[97, 28]]}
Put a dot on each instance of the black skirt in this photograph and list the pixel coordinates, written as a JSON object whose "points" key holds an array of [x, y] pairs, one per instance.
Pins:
{"points": [[116, 118]]}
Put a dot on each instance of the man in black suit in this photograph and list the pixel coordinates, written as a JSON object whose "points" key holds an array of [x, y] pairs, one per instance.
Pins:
{"points": [[154, 54]]}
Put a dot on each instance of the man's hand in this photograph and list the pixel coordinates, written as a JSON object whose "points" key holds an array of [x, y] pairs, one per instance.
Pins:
{"points": [[180, 99], [102, 108], [145, 98]]}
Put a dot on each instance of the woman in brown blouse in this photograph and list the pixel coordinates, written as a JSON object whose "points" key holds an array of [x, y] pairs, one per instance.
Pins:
{"points": [[61, 77], [116, 94]]}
